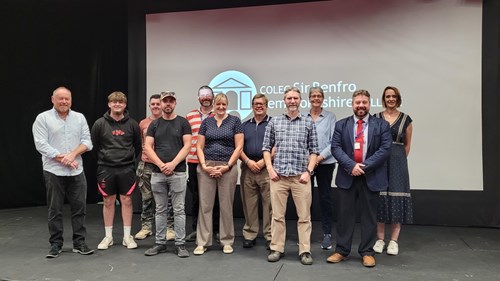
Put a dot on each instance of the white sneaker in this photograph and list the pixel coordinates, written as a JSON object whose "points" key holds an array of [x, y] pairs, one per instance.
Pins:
{"points": [[393, 248], [200, 250], [227, 249], [105, 243], [129, 242], [379, 246], [170, 236]]}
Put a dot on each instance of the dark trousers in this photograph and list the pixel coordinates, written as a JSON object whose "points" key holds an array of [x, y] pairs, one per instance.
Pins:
{"points": [[349, 199], [192, 185], [323, 175], [74, 188]]}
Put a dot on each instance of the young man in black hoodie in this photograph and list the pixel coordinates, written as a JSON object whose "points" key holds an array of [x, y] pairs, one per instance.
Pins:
{"points": [[117, 140]]}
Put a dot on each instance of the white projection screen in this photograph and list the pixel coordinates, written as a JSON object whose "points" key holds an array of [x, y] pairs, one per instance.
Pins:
{"points": [[430, 50]]}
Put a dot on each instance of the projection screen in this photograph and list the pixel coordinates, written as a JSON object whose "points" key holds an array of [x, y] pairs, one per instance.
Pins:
{"points": [[430, 50]]}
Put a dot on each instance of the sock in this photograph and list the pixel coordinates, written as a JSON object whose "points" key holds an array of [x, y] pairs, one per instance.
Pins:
{"points": [[109, 231], [126, 231]]}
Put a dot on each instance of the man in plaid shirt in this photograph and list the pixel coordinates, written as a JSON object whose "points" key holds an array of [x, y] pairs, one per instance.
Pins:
{"points": [[295, 140]]}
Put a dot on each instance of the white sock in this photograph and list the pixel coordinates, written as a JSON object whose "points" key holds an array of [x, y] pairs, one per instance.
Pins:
{"points": [[126, 231], [109, 231]]}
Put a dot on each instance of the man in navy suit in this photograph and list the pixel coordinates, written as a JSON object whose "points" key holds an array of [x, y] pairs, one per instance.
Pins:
{"points": [[361, 145]]}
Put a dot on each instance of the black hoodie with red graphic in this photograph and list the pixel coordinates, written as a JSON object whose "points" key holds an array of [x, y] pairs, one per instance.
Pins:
{"points": [[117, 143]]}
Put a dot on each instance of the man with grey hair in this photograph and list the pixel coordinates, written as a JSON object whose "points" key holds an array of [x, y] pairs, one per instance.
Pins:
{"points": [[294, 138], [61, 136]]}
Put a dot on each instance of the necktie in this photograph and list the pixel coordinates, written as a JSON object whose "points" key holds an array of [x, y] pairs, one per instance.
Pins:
{"points": [[358, 153]]}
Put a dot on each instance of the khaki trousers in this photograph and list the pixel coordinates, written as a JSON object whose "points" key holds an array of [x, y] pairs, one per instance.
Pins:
{"points": [[301, 194], [208, 187], [251, 186]]}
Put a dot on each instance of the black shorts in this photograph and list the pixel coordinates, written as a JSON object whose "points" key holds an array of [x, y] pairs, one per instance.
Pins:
{"points": [[112, 180]]}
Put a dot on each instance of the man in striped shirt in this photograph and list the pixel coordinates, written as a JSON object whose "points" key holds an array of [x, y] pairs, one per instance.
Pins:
{"points": [[195, 117]]}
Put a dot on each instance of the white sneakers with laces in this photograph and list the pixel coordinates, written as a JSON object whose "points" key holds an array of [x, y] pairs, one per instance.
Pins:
{"points": [[379, 246]]}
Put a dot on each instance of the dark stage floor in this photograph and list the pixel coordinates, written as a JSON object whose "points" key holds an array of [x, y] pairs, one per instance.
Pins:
{"points": [[426, 253]]}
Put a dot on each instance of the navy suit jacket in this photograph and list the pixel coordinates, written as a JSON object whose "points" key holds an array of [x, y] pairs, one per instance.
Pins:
{"points": [[379, 143]]}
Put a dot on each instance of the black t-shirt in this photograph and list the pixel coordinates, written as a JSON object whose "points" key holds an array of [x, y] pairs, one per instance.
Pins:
{"points": [[168, 135]]}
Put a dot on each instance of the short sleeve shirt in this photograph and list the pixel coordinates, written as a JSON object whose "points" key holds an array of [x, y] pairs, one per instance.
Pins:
{"points": [[168, 135], [219, 141]]}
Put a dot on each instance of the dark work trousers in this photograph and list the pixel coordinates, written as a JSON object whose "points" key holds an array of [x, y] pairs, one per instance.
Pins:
{"points": [[323, 175], [74, 188], [349, 199]]}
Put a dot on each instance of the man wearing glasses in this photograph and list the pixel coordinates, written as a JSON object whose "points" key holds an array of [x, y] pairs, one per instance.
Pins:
{"points": [[254, 176]]}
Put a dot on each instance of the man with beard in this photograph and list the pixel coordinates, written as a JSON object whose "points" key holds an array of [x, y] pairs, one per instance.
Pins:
{"points": [[144, 171], [361, 144], [117, 139], [61, 136], [167, 144], [294, 138], [195, 117]]}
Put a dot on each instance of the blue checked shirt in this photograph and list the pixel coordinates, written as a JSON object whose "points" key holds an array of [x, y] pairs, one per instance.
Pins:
{"points": [[294, 139]]}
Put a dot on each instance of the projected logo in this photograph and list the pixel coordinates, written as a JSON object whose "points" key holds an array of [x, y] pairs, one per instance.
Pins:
{"points": [[239, 89]]}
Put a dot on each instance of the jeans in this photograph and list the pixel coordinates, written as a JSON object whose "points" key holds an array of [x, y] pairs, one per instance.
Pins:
{"points": [[74, 188], [144, 172], [324, 174], [161, 185]]}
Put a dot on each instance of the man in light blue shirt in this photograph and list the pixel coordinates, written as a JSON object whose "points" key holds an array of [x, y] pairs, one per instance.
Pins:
{"points": [[61, 136], [325, 164]]}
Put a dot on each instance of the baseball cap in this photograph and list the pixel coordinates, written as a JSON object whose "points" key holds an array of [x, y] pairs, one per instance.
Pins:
{"points": [[167, 94]]}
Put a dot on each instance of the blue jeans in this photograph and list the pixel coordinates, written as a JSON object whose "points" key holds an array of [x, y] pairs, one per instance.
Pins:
{"points": [[161, 185], [74, 188], [324, 174]]}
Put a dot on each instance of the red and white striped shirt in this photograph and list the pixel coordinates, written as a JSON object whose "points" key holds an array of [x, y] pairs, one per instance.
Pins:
{"points": [[195, 117]]}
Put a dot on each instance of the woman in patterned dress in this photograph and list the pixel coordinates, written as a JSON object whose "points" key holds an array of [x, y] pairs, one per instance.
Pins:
{"points": [[395, 205]]}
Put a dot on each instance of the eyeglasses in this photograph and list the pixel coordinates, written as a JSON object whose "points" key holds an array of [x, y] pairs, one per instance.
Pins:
{"points": [[258, 104]]}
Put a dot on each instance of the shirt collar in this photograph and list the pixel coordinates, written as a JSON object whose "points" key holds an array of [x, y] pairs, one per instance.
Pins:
{"points": [[266, 118]]}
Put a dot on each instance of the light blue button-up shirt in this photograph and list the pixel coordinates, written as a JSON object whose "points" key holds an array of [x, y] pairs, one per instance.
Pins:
{"points": [[325, 125], [54, 135]]}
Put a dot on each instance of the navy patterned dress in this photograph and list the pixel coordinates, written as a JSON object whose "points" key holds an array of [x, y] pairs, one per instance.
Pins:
{"points": [[395, 205]]}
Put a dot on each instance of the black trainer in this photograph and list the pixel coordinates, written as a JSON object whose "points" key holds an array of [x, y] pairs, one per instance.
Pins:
{"points": [[83, 249], [191, 237], [248, 243], [54, 252], [156, 249]]}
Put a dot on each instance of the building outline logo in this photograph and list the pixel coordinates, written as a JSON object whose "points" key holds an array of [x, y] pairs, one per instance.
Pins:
{"points": [[239, 88]]}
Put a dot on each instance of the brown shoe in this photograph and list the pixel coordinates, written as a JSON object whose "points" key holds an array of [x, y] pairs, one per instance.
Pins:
{"points": [[368, 261], [336, 258]]}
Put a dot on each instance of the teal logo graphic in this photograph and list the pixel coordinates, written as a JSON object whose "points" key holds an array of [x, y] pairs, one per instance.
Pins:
{"points": [[239, 89]]}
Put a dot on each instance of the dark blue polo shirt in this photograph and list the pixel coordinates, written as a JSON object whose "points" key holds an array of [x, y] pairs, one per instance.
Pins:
{"points": [[254, 136]]}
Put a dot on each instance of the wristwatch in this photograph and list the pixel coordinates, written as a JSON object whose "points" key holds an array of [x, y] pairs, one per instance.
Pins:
{"points": [[310, 172]]}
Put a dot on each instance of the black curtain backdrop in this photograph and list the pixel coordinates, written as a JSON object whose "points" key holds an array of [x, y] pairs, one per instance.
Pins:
{"points": [[45, 44], [96, 47]]}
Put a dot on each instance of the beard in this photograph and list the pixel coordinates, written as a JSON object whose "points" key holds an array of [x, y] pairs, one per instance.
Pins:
{"points": [[361, 112]]}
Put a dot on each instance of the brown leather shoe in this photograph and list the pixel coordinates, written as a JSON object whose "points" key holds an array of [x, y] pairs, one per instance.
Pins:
{"points": [[368, 261], [336, 258]]}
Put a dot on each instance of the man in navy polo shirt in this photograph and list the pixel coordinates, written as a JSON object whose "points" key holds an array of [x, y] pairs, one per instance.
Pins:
{"points": [[254, 176]]}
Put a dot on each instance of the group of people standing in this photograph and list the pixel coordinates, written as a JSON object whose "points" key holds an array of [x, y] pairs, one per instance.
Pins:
{"points": [[279, 155]]}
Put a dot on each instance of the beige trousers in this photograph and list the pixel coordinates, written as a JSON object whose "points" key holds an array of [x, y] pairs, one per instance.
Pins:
{"points": [[208, 187], [251, 186], [301, 194]]}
